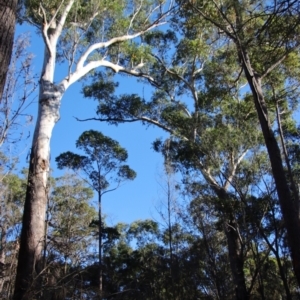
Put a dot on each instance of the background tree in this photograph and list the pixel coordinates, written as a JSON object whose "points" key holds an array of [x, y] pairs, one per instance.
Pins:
{"points": [[103, 164]]}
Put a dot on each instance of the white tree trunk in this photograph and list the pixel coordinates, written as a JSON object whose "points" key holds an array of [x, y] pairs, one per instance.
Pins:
{"points": [[33, 230]]}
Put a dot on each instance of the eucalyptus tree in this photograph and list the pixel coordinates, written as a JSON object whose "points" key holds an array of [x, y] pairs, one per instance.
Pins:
{"points": [[83, 35], [207, 67], [199, 103], [103, 165], [8, 17], [265, 37]]}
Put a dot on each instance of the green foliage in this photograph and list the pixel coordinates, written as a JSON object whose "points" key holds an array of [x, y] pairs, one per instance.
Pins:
{"points": [[103, 161], [95, 144], [71, 160]]}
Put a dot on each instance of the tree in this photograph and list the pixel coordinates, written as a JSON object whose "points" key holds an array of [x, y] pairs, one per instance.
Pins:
{"points": [[266, 41], [103, 165], [206, 123], [8, 16], [207, 68], [85, 35]]}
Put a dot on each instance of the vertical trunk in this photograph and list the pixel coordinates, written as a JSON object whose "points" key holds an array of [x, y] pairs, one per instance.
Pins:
{"points": [[289, 207], [8, 12], [235, 251], [235, 247], [100, 248], [3, 274], [169, 204], [33, 229]]}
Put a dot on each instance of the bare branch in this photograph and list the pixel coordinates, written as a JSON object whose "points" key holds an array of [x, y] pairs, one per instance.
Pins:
{"points": [[134, 15], [62, 20], [233, 170]]}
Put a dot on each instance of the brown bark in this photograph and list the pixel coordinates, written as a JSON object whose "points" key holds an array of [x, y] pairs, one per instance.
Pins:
{"points": [[8, 12]]}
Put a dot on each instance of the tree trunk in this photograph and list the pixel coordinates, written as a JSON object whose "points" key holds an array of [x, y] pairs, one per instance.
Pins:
{"points": [[100, 246], [289, 207], [33, 230], [236, 259], [8, 12], [235, 250], [3, 274], [234, 243]]}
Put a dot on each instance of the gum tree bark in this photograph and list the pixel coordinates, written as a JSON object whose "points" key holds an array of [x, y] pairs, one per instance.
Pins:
{"points": [[8, 11]]}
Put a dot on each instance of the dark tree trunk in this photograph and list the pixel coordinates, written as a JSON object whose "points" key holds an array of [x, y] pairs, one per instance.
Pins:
{"points": [[235, 251], [8, 12], [234, 244]]}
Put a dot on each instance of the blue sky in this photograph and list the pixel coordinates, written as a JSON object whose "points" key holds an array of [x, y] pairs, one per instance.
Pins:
{"points": [[134, 200]]}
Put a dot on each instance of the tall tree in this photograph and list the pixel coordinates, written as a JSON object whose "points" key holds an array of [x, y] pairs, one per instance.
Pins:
{"points": [[206, 123], [85, 35], [223, 40], [8, 16], [103, 164], [266, 40]]}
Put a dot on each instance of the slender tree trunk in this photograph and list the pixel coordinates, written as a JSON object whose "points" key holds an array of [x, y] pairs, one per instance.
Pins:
{"points": [[100, 247], [235, 251], [235, 247], [289, 207], [33, 230], [8, 12], [169, 224], [3, 274]]}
